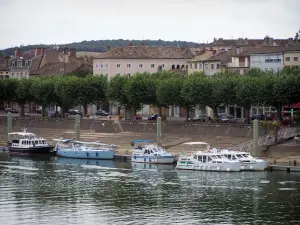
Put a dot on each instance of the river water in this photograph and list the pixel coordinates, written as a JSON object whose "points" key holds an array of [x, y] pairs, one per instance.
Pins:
{"points": [[49, 190]]}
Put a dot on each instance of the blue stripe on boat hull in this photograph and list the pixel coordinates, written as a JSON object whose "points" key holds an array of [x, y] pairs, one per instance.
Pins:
{"points": [[86, 155]]}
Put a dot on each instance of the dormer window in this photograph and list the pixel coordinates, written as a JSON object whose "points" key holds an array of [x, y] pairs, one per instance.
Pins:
{"points": [[26, 63]]}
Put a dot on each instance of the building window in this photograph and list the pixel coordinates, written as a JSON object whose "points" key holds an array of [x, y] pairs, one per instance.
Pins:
{"points": [[152, 65], [128, 75], [6, 72], [287, 59], [163, 66], [96, 66], [141, 65], [200, 66], [191, 66], [128, 65], [206, 66], [212, 66], [1, 72], [106, 75], [195, 66], [218, 66], [101, 66], [118, 65], [106, 65], [26, 64], [295, 58]]}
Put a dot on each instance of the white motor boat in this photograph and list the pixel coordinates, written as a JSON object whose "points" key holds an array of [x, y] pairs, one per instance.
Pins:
{"points": [[147, 151], [203, 158], [248, 162]]}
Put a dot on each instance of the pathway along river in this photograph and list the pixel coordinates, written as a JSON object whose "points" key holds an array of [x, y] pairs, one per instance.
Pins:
{"points": [[35, 190]]}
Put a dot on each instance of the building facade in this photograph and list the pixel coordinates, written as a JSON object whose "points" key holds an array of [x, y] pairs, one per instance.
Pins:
{"points": [[292, 56]]}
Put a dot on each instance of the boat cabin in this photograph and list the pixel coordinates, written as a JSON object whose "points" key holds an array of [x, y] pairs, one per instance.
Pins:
{"points": [[242, 156], [146, 147], [25, 140]]}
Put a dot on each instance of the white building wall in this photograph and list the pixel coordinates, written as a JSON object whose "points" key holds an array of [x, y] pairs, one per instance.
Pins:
{"points": [[267, 62]]}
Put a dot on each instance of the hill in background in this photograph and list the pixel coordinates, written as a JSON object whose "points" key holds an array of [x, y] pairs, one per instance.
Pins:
{"points": [[101, 45]]}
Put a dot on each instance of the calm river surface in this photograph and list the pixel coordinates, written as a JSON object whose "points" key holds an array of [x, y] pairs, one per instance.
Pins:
{"points": [[70, 191]]}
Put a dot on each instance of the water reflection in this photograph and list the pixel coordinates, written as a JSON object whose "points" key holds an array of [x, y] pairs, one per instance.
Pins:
{"points": [[77, 191]]}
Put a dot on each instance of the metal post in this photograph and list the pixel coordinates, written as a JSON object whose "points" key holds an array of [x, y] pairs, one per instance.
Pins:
{"points": [[158, 134], [256, 151], [77, 127], [9, 123]]}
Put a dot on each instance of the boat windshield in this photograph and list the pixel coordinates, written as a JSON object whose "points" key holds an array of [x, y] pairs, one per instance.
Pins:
{"points": [[216, 157], [240, 156]]}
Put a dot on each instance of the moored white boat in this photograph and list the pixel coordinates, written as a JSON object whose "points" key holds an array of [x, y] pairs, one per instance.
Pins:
{"points": [[147, 151], [28, 143], [248, 162], [84, 150], [202, 158]]}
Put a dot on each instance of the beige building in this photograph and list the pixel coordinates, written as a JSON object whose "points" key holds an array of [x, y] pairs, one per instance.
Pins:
{"points": [[133, 59], [197, 63], [4, 67], [292, 56]]}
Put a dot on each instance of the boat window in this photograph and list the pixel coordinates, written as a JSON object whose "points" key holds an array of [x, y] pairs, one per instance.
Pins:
{"points": [[15, 141], [246, 155], [195, 156], [23, 142], [36, 142], [234, 157], [209, 158], [214, 157], [239, 156], [204, 158], [43, 142], [228, 156], [151, 151]]}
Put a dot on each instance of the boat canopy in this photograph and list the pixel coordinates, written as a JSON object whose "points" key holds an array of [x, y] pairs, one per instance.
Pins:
{"points": [[195, 143], [67, 141]]}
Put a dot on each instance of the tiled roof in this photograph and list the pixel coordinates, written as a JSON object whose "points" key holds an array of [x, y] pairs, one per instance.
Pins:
{"points": [[146, 52], [58, 68], [28, 55], [206, 55], [222, 57], [295, 47], [261, 50]]}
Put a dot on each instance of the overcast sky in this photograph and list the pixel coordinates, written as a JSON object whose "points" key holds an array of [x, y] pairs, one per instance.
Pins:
{"points": [[65, 21]]}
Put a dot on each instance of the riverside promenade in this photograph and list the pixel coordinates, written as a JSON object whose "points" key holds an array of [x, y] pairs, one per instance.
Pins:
{"points": [[173, 133]]}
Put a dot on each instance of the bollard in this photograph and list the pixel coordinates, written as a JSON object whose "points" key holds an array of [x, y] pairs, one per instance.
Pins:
{"points": [[274, 161], [158, 131], [9, 123], [295, 163], [255, 151], [77, 127]]}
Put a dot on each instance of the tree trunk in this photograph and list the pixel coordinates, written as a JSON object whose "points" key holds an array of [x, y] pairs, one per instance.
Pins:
{"points": [[159, 111], [133, 113], [22, 108], [215, 111], [62, 111], [187, 113], [276, 133], [43, 111], [85, 109], [119, 110], [247, 114], [172, 110], [278, 114]]}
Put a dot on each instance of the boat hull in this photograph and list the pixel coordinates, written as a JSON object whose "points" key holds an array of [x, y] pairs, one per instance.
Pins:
{"points": [[218, 167], [153, 159], [43, 150], [86, 154], [255, 166]]}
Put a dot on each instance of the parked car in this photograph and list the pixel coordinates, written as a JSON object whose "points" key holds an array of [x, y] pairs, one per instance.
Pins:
{"points": [[54, 114], [153, 117], [38, 111], [102, 113], [11, 110], [200, 118], [226, 118], [260, 117], [138, 117], [74, 112]]}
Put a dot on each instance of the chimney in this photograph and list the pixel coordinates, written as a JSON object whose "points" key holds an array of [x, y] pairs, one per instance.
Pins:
{"points": [[108, 48], [131, 44], [38, 51], [17, 52]]}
